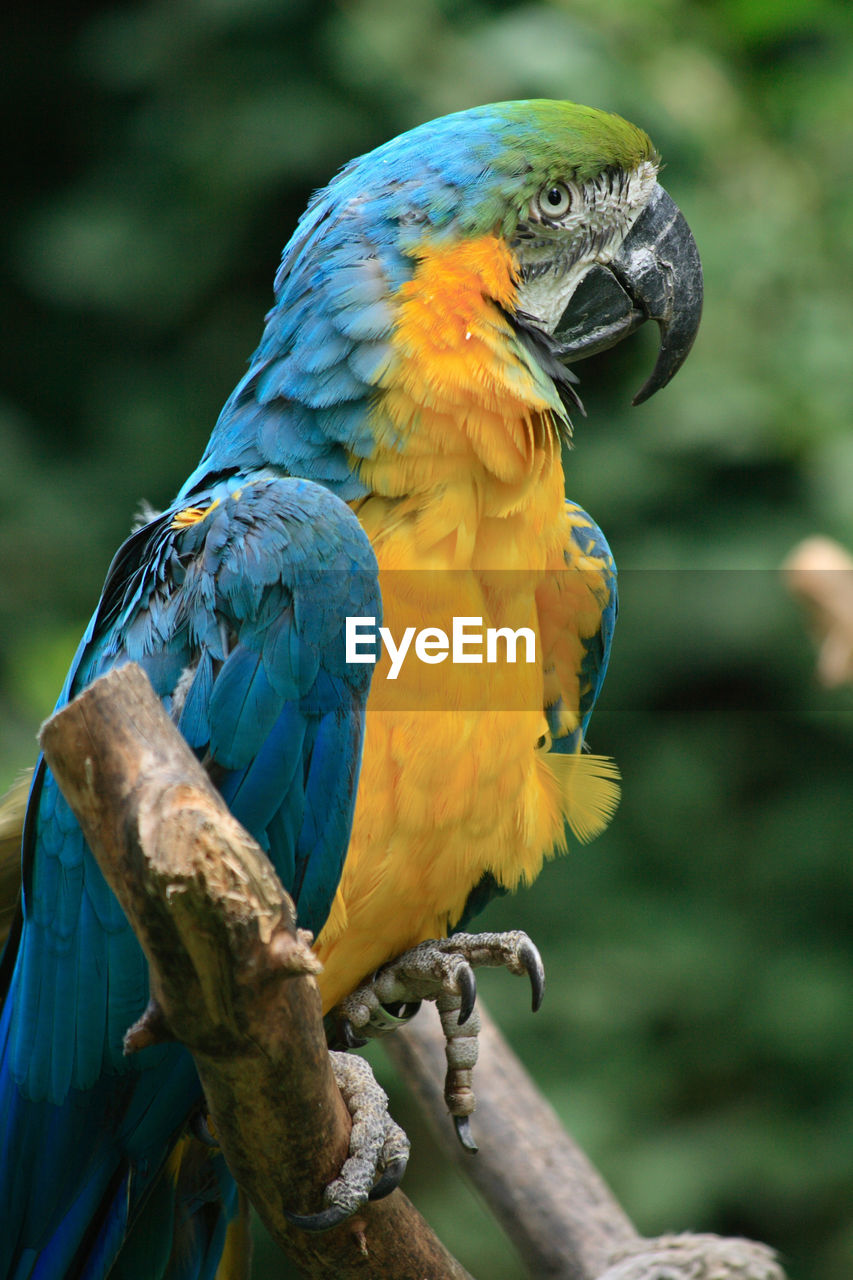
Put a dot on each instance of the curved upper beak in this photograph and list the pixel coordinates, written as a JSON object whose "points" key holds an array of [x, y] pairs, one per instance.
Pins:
{"points": [[656, 275]]}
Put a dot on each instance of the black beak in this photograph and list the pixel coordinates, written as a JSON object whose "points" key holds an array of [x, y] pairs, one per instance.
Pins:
{"points": [[656, 275]]}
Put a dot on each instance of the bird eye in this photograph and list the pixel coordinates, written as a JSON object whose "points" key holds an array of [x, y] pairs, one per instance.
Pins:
{"points": [[554, 200]]}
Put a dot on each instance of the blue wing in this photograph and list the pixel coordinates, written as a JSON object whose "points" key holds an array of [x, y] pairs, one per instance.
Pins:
{"points": [[235, 608], [577, 608]]}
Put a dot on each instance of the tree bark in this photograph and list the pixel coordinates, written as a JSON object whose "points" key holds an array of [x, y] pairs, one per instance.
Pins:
{"points": [[230, 974]]}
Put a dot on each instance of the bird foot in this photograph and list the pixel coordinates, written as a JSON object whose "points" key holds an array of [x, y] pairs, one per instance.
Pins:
{"points": [[439, 967], [441, 970], [378, 1152]]}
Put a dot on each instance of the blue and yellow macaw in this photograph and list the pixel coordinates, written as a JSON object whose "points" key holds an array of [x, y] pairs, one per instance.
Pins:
{"points": [[413, 369]]}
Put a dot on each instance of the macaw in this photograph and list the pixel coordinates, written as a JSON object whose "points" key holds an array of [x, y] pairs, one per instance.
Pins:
{"points": [[413, 364], [414, 369]]}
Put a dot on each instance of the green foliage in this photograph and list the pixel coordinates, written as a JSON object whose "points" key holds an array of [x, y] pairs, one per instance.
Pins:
{"points": [[696, 1032]]}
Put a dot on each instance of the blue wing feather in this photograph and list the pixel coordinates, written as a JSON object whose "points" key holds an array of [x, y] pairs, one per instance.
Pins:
{"points": [[235, 610], [322, 841], [590, 554], [242, 704], [256, 792]]}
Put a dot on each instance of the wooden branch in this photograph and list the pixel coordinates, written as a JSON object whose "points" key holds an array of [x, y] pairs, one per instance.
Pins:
{"points": [[551, 1201], [13, 807], [231, 978], [819, 575], [230, 974]]}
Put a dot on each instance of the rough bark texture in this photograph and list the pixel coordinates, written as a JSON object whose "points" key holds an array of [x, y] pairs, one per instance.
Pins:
{"points": [[230, 974], [12, 809]]}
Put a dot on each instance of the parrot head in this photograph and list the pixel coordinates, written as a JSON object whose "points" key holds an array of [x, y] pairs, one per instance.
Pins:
{"points": [[477, 255], [573, 190], [599, 218]]}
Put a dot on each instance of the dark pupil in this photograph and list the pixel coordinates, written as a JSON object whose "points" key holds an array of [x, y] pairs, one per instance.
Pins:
{"points": [[555, 196]]}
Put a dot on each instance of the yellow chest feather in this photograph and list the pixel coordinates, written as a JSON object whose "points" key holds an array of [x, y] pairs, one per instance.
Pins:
{"points": [[465, 512]]}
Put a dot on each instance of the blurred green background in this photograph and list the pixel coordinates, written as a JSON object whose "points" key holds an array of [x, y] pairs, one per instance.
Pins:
{"points": [[697, 1031]]}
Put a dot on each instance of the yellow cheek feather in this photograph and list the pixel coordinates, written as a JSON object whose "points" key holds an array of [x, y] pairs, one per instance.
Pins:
{"points": [[466, 482]]}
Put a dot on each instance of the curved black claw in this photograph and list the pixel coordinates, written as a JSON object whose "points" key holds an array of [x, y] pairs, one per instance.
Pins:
{"points": [[390, 1180], [468, 992], [350, 1039], [532, 961], [462, 1125], [316, 1222]]}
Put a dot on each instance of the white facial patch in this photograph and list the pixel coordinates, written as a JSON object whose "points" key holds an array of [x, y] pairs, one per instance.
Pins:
{"points": [[556, 255]]}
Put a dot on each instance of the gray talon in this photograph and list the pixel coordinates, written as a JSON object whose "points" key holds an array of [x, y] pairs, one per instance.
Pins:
{"points": [[468, 992], [377, 1146], [462, 1125], [442, 970]]}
